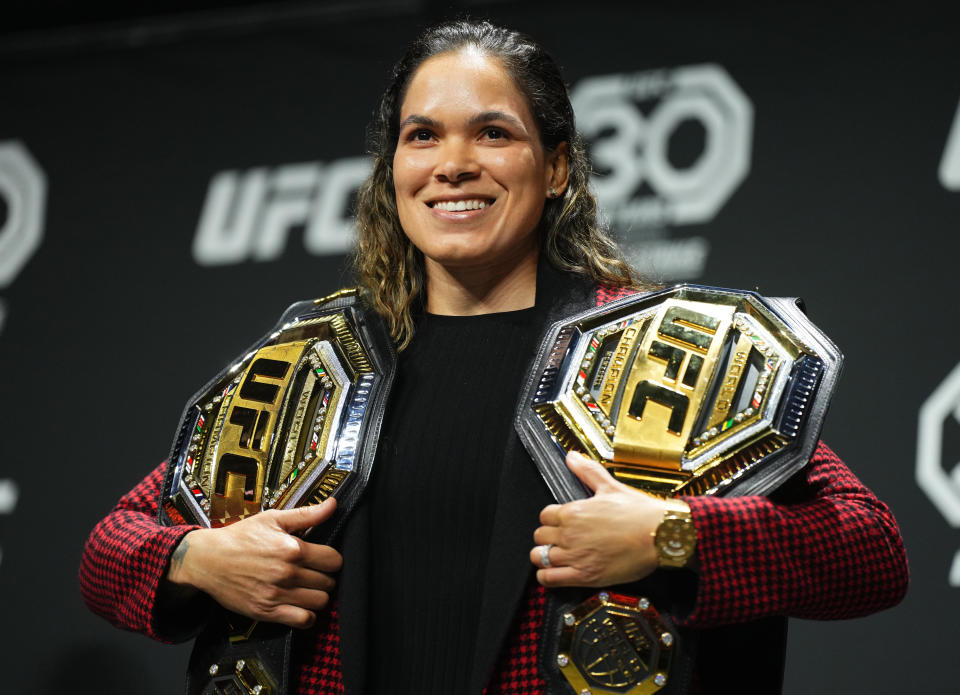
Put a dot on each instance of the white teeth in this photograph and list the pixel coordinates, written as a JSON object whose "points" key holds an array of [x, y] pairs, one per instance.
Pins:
{"points": [[459, 205]]}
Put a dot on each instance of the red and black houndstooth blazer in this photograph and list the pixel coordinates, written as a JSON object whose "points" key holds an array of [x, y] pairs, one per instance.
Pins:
{"points": [[823, 548]]}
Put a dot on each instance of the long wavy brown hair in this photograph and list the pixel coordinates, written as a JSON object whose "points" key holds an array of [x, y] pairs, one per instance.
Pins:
{"points": [[390, 268]]}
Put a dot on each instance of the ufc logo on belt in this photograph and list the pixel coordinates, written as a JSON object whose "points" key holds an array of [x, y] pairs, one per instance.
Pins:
{"points": [[669, 380], [683, 339], [247, 433]]}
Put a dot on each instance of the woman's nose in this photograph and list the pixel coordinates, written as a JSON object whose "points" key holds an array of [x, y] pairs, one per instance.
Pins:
{"points": [[456, 162]]}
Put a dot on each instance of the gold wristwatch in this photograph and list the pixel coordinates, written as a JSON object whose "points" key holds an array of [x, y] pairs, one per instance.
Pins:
{"points": [[676, 537]]}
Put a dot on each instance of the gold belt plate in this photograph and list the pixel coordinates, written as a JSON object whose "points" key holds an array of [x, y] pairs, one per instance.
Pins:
{"points": [[278, 430], [615, 644], [687, 391]]}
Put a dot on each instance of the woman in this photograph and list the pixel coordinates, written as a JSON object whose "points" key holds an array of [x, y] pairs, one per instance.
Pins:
{"points": [[476, 230]]}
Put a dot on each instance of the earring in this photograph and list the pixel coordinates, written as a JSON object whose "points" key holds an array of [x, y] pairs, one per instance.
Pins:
{"points": [[554, 193]]}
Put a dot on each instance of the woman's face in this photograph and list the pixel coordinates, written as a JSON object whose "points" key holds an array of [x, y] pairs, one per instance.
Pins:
{"points": [[470, 174]]}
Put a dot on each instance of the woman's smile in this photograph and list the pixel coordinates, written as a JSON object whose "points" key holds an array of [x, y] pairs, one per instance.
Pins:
{"points": [[460, 205]]}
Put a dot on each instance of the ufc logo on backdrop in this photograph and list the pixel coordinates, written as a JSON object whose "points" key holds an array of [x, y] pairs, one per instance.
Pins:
{"points": [[23, 193], [248, 215], [938, 467]]}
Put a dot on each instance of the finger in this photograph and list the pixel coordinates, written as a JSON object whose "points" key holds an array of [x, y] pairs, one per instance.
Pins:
{"points": [[546, 534], [311, 579], [291, 616], [591, 473], [561, 576], [308, 599], [558, 556], [536, 555], [302, 518], [550, 515], [320, 557]]}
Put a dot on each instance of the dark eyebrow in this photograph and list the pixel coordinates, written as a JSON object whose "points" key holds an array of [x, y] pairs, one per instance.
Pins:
{"points": [[488, 116], [485, 117], [419, 120]]}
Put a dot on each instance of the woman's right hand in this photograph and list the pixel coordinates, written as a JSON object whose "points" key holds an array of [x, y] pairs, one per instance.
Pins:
{"points": [[257, 568]]}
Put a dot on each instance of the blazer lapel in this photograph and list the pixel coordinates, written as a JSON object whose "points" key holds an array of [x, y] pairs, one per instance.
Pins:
{"points": [[353, 588], [522, 494]]}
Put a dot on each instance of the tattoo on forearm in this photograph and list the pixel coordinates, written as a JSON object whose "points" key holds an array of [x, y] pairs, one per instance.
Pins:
{"points": [[176, 560]]}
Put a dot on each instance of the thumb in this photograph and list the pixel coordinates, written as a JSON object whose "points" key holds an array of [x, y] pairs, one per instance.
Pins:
{"points": [[591, 473], [302, 518]]}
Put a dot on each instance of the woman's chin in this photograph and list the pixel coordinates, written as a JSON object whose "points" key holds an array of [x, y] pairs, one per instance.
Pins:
{"points": [[466, 259]]}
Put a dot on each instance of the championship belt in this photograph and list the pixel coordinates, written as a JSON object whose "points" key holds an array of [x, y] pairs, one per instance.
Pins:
{"points": [[692, 390], [290, 423]]}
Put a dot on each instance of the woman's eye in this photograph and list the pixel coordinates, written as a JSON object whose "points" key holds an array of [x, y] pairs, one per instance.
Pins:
{"points": [[495, 134], [421, 135]]}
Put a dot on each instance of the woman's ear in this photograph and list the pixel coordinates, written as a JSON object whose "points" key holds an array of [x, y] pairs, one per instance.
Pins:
{"points": [[558, 174]]}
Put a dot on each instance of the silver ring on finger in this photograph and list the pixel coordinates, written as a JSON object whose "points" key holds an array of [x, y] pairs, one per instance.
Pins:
{"points": [[545, 555]]}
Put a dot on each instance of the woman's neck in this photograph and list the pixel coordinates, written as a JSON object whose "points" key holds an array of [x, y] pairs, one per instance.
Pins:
{"points": [[481, 290]]}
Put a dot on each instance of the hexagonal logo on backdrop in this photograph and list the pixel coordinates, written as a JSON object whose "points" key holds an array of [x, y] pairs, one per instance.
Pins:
{"points": [[23, 193], [938, 457], [949, 170]]}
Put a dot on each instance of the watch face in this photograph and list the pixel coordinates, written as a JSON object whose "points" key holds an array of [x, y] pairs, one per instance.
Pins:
{"points": [[676, 540]]}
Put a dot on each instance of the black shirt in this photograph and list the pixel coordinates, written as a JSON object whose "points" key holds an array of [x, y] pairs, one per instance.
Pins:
{"points": [[433, 494]]}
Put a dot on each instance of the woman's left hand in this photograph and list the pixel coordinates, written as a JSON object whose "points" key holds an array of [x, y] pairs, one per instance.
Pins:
{"points": [[603, 540]]}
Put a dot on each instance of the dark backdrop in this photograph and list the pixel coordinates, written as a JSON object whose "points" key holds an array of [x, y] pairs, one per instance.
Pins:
{"points": [[169, 184]]}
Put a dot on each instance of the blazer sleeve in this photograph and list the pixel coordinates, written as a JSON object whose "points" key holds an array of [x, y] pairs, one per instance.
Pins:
{"points": [[124, 563], [823, 546]]}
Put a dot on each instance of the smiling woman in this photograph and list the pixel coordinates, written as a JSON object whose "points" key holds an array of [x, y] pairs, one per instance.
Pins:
{"points": [[476, 232]]}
